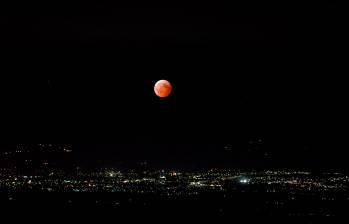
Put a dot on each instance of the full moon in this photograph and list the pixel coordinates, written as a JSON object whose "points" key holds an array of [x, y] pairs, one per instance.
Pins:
{"points": [[162, 88]]}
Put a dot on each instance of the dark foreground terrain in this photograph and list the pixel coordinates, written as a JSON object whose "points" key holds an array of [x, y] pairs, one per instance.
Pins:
{"points": [[207, 204]]}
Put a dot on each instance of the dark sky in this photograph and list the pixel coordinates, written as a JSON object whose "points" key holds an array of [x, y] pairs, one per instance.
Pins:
{"points": [[84, 74]]}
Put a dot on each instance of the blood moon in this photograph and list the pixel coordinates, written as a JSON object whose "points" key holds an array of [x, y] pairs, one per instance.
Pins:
{"points": [[162, 88]]}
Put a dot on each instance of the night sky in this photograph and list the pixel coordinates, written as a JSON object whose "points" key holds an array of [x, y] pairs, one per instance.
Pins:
{"points": [[258, 78]]}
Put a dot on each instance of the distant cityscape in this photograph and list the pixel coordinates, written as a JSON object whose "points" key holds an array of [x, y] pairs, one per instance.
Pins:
{"points": [[48, 170], [172, 182]]}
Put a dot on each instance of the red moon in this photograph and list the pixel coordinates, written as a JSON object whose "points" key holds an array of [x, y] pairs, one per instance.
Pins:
{"points": [[162, 88]]}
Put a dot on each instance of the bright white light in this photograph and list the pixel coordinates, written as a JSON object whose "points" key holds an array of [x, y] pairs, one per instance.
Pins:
{"points": [[244, 180]]}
